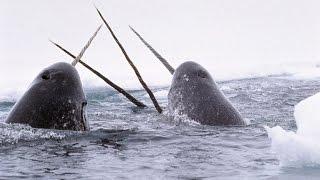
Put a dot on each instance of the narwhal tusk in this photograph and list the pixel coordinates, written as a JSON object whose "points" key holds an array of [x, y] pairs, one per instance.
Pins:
{"points": [[145, 86], [116, 87], [163, 60], [76, 60]]}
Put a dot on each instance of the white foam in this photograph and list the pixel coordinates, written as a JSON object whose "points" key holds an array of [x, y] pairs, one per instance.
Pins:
{"points": [[13, 133], [247, 121], [161, 94], [225, 88], [301, 148], [183, 119]]}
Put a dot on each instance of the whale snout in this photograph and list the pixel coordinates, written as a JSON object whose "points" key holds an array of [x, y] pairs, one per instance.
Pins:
{"points": [[191, 71]]}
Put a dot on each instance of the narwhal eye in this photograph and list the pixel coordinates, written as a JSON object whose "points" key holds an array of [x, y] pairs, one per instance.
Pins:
{"points": [[45, 76], [202, 74]]}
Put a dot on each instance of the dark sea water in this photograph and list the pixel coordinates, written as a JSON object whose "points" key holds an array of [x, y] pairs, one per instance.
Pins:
{"points": [[126, 142]]}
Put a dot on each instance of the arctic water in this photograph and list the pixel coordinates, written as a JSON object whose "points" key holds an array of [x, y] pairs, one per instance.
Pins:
{"points": [[126, 142]]}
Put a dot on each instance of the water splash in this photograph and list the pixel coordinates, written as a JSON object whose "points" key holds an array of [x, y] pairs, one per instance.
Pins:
{"points": [[14, 133]]}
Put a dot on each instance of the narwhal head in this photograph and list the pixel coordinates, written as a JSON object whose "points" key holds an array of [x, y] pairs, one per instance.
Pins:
{"points": [[54, 100], [192, 72]]}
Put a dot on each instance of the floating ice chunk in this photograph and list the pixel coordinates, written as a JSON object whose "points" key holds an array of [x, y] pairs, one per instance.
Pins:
{"points": [[303, 147], [292, 149], [307, 117]]}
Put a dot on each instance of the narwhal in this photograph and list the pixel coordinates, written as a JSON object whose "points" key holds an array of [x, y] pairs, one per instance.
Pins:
{"points": [[55, 99], [194, 93]]}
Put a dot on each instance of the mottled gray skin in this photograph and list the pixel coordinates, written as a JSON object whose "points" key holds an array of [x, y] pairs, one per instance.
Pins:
{"points": [[194, 93], [54, 100]]}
